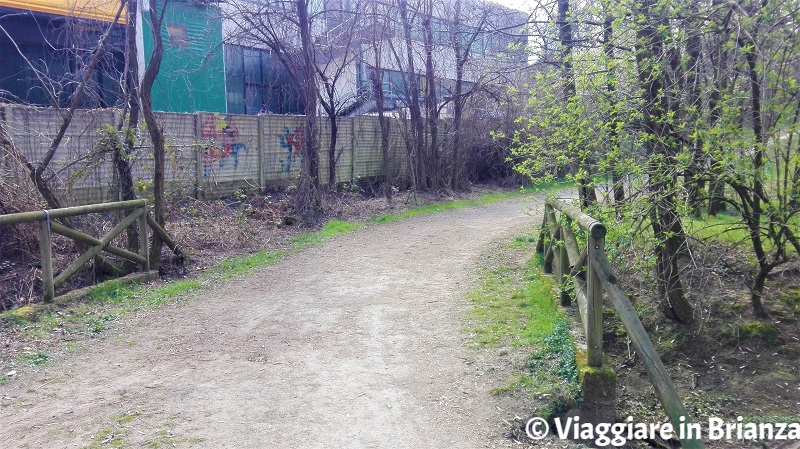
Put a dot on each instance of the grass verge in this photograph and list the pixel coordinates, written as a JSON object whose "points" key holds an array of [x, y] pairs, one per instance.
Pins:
{"points": [[514, 311]]}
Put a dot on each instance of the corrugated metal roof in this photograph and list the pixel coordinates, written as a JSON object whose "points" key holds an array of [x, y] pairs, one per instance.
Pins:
{"points": [[103, 10]]}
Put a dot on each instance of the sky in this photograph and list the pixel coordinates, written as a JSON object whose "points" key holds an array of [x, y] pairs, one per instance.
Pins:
{"points": [[521, 5]]}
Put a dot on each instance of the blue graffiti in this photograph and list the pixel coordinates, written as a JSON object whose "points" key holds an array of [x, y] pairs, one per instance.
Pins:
{"points": [[292, 143]]}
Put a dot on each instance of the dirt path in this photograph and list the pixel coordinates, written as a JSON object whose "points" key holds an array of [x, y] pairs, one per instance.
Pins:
{"points": [[352, 344]]}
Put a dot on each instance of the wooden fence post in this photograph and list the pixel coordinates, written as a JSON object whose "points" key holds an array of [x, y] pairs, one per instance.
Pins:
{"points": [[594, 303], [562, 262], [550, 221], [144, 248], [542, 231], [46, 255]]}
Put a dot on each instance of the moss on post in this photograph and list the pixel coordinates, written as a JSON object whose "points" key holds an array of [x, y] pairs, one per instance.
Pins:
{"points": [[598, 387]]}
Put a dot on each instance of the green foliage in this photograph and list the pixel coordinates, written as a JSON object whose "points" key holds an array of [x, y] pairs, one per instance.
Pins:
{"points": [[791, 296], [672, 105], [37, 358], [559, 347], [754, 330]]}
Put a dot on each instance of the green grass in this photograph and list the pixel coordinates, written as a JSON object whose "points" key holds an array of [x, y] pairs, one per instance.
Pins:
{"points": [[514, 305], [485, 199], [329, 230], [239, 265], [721, 227], [38, 358]]}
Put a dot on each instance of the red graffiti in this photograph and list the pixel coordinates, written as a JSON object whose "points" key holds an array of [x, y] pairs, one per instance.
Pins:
{"points": [[292, 142], [224, 143]]}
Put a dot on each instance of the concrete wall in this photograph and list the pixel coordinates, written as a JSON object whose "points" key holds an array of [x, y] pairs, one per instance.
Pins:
{"points": [[208, 155]]}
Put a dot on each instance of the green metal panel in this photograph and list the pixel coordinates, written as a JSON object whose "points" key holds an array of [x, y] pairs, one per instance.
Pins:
{"points": [[192, 76]]}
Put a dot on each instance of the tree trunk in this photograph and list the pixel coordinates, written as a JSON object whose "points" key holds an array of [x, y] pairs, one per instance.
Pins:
{"points": [[332, 150], [377, 92], [122, 154], [416, 134], [664, 219], [431, 106], [716, 197], [673, 303], [753, 218], [586, 191], [691, 179], [154, 127], [758, 292], [307, 199]]}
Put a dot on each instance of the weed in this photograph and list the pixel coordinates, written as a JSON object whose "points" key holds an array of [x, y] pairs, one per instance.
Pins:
{"points": [[773, 419], [106, 438], [111, 291], [238, 265], [754, 330], [560, 344], [38, 358], [554, 368], [791, 297], [518, 382], [95, 325], [328, 231], [169, 290], [125, 417]]}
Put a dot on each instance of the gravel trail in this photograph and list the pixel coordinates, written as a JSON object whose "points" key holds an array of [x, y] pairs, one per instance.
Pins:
{"points": [[355, 343]]}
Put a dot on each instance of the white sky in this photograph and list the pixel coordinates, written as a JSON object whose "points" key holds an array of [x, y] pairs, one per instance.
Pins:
{"points": [[521, 5]]}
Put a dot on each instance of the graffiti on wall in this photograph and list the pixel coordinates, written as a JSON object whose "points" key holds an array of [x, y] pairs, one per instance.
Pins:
{"points": [[291, 143], [223, 145]]}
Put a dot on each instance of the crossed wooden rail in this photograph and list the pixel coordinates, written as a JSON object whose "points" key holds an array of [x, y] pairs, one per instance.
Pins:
{"points": [[48, 225], [591, 274]]}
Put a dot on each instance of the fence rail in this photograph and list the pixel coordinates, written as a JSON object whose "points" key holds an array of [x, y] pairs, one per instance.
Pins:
{"points": [[590, 274], [137, 216]]}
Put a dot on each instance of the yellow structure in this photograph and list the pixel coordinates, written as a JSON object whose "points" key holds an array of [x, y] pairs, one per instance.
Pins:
{"points": [[102, 10]]}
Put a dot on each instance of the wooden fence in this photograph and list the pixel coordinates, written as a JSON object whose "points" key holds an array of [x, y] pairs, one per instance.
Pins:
{"points": [[138, 215], [590, 274]]}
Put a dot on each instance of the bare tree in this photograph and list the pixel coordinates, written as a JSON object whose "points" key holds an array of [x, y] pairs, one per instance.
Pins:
{"points": [[379, 19], [154, 127], [57, 90], [462, 42], [285, 28], [337, 53], [38, 169], [416, 133]]}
